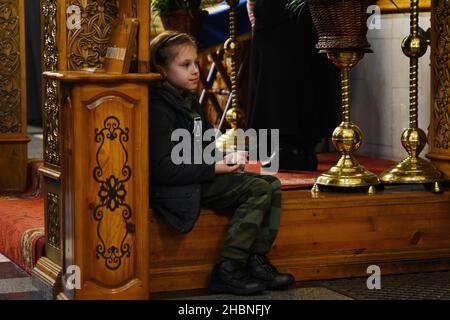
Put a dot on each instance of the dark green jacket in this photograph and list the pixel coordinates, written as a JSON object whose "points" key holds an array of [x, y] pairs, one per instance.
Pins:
{"points": [[175, 190]]}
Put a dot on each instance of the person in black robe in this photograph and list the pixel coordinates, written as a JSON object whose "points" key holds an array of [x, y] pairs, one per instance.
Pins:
{"points": [[292, 87]]}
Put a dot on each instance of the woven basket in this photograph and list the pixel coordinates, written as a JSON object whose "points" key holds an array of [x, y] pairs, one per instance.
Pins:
{"points": [[340, 24], [183, 21]]}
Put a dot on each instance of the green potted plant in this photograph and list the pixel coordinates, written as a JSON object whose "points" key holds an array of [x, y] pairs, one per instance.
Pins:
{"points": [[340, 24], [181, 15]]}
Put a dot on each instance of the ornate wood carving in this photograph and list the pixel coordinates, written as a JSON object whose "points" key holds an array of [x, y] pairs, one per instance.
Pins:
{"points": [[112, 193], [53, 225], [441, 76], [51, 90], [87, 45], [49, 52], [10, 86], [51, 111], [13, 99]]}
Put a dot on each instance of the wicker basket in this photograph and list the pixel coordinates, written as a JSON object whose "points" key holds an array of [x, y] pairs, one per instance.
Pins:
{"points": [[341, 24], [184, 21]]}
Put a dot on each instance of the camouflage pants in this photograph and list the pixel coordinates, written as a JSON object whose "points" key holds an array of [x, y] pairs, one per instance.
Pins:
{"points": [[255, 201]]}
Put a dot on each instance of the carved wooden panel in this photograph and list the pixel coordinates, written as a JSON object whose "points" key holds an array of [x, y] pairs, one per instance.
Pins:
{"points": [[439, 132], [13, 127], [10, 72], [86, 46], [51, 87], [113, 188], [106, 154], [441, 76], [53, 221]]}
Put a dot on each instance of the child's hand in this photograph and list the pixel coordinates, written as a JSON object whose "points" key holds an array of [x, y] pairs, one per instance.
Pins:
{"points": [[236, 157], [222, 168], [232, 162]]}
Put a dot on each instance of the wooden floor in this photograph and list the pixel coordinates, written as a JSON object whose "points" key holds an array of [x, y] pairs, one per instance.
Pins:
{"points": [[334, 235]]}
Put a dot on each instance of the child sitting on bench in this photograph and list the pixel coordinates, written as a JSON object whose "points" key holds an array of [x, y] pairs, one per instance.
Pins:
{"points": [[178, 190]]}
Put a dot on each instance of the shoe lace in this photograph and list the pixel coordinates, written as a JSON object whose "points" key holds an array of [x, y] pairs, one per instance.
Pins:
{"points": [[241, 274], [265, 263]]}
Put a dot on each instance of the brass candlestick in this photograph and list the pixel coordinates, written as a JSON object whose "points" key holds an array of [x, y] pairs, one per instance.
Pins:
{"points": [[234, 116], [413, 169], [347, 137]]}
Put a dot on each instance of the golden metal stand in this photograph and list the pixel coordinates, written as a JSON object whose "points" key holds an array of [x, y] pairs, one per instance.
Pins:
{"points": [[347, 137], [413, 169], [234, 116]]}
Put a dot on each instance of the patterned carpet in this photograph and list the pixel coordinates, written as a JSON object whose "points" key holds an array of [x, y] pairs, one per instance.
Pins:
{"points": [[22, 221]]}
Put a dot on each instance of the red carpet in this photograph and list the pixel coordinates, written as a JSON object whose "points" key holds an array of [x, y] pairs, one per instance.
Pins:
{"points": [[22, 237], [22, 215]]}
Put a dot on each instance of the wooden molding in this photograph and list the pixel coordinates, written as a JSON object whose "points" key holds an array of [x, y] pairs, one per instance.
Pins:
{"points": [[403, 6], [46, 277]]}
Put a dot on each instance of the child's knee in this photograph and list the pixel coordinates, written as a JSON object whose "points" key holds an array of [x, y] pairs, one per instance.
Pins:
{"points": [[261, 189], [274, 182]]}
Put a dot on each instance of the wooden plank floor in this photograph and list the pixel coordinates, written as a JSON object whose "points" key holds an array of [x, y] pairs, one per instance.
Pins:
{"points": [[333, 235]]}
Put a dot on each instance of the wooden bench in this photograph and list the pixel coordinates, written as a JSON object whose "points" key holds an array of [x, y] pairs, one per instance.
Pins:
{"points": [[331, 236]]}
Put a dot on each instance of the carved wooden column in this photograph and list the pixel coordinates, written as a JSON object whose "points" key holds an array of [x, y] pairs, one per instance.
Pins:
{"points": [[13, 118], [66, 48], [439, 138], [47, 274]]}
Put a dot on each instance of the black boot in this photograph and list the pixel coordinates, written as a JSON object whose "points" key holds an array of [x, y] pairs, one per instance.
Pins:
{"points": [[229, 276], [261, 268]]}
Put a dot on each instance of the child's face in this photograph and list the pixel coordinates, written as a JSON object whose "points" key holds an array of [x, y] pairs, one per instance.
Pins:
{"points": [[183, 71]]}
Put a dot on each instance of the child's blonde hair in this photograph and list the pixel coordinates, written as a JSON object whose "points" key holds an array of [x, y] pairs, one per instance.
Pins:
{"points": [[161, 45]]}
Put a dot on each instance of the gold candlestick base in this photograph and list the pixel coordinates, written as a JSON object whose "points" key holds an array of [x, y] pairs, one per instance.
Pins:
{"points": [[347, 173], [413, 169], [347, 137]]}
